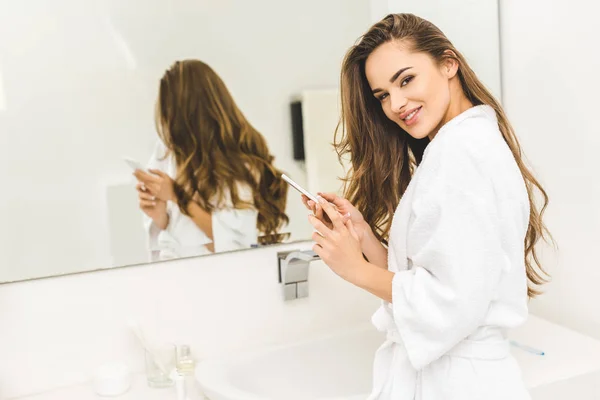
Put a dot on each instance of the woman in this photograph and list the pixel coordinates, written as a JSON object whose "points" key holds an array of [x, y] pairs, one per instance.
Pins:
{"points": [[212, 185], [437, 176]]}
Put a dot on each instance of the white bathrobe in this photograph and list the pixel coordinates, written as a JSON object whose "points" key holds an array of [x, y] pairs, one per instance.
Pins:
{"points": [[457, 249], [233, 229]]}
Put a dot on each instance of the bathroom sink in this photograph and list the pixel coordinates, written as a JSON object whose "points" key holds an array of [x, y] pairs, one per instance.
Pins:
{"points": [[339, 367], [336, 367]]}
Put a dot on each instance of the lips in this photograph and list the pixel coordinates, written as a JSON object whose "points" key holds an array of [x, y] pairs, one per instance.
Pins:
{"points": [[410, 113], [412, 117]]}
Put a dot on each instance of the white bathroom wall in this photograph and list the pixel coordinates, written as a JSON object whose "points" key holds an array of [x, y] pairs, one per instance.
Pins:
{"points": [[78, 82], [56, 331], [551, 87], [321, 112]]}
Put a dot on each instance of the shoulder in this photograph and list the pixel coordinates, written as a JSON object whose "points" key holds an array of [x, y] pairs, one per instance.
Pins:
{"points": [[473, 141], [160, 150], [464, 157], [162, 159]]}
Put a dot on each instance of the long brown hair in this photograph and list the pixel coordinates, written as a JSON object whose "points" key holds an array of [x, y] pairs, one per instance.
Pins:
{"points": [[384, 156], [215, 147]]}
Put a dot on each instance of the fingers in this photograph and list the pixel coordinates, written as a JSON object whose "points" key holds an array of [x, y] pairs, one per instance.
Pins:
{"points": [[145, 177], [305, 201], [318, 211], [158, 172], [312, 206], [327, 196], [332, 198], [318, 238], [146, 196], [318, 249], [319, 226], [309, 204], [350, 227], [150, 188], [332, 213], [147, 203]]}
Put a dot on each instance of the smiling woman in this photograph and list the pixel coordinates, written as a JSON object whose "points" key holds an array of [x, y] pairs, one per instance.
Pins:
{"points": [[441, 223]]}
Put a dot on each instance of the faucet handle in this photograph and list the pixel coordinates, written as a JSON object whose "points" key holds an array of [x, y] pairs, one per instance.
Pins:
{"points": [[306, 255], [293, 272]]}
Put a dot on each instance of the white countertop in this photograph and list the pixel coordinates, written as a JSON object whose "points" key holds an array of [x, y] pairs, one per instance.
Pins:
{"points": [[567, 353], [569, 369], [139, 390]]}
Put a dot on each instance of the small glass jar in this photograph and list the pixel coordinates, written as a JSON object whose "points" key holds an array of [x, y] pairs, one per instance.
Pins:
{"points": [[159, 365]]}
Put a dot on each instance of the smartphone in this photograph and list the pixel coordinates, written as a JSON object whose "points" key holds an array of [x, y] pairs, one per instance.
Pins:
{"points": [[299, 188], [135, 165]]}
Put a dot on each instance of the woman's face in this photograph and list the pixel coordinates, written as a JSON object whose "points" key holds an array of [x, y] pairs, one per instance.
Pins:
{"points": [[414, 91]]}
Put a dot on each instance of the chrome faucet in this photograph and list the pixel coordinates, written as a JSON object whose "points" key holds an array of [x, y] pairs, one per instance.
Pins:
{"points": [[293, 272]]}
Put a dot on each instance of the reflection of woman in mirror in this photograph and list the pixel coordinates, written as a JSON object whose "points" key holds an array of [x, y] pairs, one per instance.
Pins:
{"points": [[212, 184], [442, 207]]}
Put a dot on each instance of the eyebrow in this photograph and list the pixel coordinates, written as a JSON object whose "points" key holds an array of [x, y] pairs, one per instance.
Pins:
{"points": [[393, 78]]}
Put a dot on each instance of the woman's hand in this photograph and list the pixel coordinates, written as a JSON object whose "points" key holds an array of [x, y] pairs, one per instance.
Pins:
{"points": [[343, 207], [153, 207], [337, 245], [157, 184]]}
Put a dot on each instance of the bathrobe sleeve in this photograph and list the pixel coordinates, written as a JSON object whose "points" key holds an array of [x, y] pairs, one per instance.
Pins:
{"points": [[182, 235], [454, 248], [152, 231], [235, 229]]}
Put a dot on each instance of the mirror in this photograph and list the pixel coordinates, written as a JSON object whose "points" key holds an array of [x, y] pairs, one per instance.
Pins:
{"points": [[80, 104], [80, 92]]}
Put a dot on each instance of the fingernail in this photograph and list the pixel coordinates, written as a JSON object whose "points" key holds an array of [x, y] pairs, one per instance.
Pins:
{"points": [[347, 215], [321, 200]]}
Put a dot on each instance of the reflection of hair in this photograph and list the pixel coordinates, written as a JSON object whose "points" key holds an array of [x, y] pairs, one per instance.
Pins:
{"points": [[384, 155], [215, 147]]}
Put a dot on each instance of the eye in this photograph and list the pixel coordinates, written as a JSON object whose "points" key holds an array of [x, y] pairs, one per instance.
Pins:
{"points": [[406, 80], [382, 97]]}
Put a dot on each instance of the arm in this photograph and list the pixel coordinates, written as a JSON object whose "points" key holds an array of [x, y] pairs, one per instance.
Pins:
{"points": [[201, 218], [229, 228], [373, 249], [376, 280], [456, 253]]}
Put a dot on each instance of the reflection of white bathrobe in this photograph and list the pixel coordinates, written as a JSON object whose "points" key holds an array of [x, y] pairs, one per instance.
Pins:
{"points": [[457, 248], [232, 228]]}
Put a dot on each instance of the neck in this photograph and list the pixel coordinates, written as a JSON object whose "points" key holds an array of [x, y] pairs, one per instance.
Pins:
{"points": [[459, 103]]}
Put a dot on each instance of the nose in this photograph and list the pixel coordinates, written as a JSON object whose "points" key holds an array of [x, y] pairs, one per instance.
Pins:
{"points": [[398, 102]]}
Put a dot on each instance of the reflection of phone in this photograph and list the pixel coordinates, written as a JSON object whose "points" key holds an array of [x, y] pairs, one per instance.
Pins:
{"points": [[299, 188], [135, 165]]}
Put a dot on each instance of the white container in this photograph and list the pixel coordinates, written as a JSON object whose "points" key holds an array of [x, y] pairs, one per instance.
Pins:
{"points": [[111, 379]]}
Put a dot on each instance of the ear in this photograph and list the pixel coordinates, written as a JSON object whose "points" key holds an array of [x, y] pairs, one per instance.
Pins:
{"points": [[449, 64]]}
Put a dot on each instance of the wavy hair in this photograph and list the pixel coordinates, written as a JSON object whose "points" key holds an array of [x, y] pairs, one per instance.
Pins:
{"points": [[216, 148]]}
